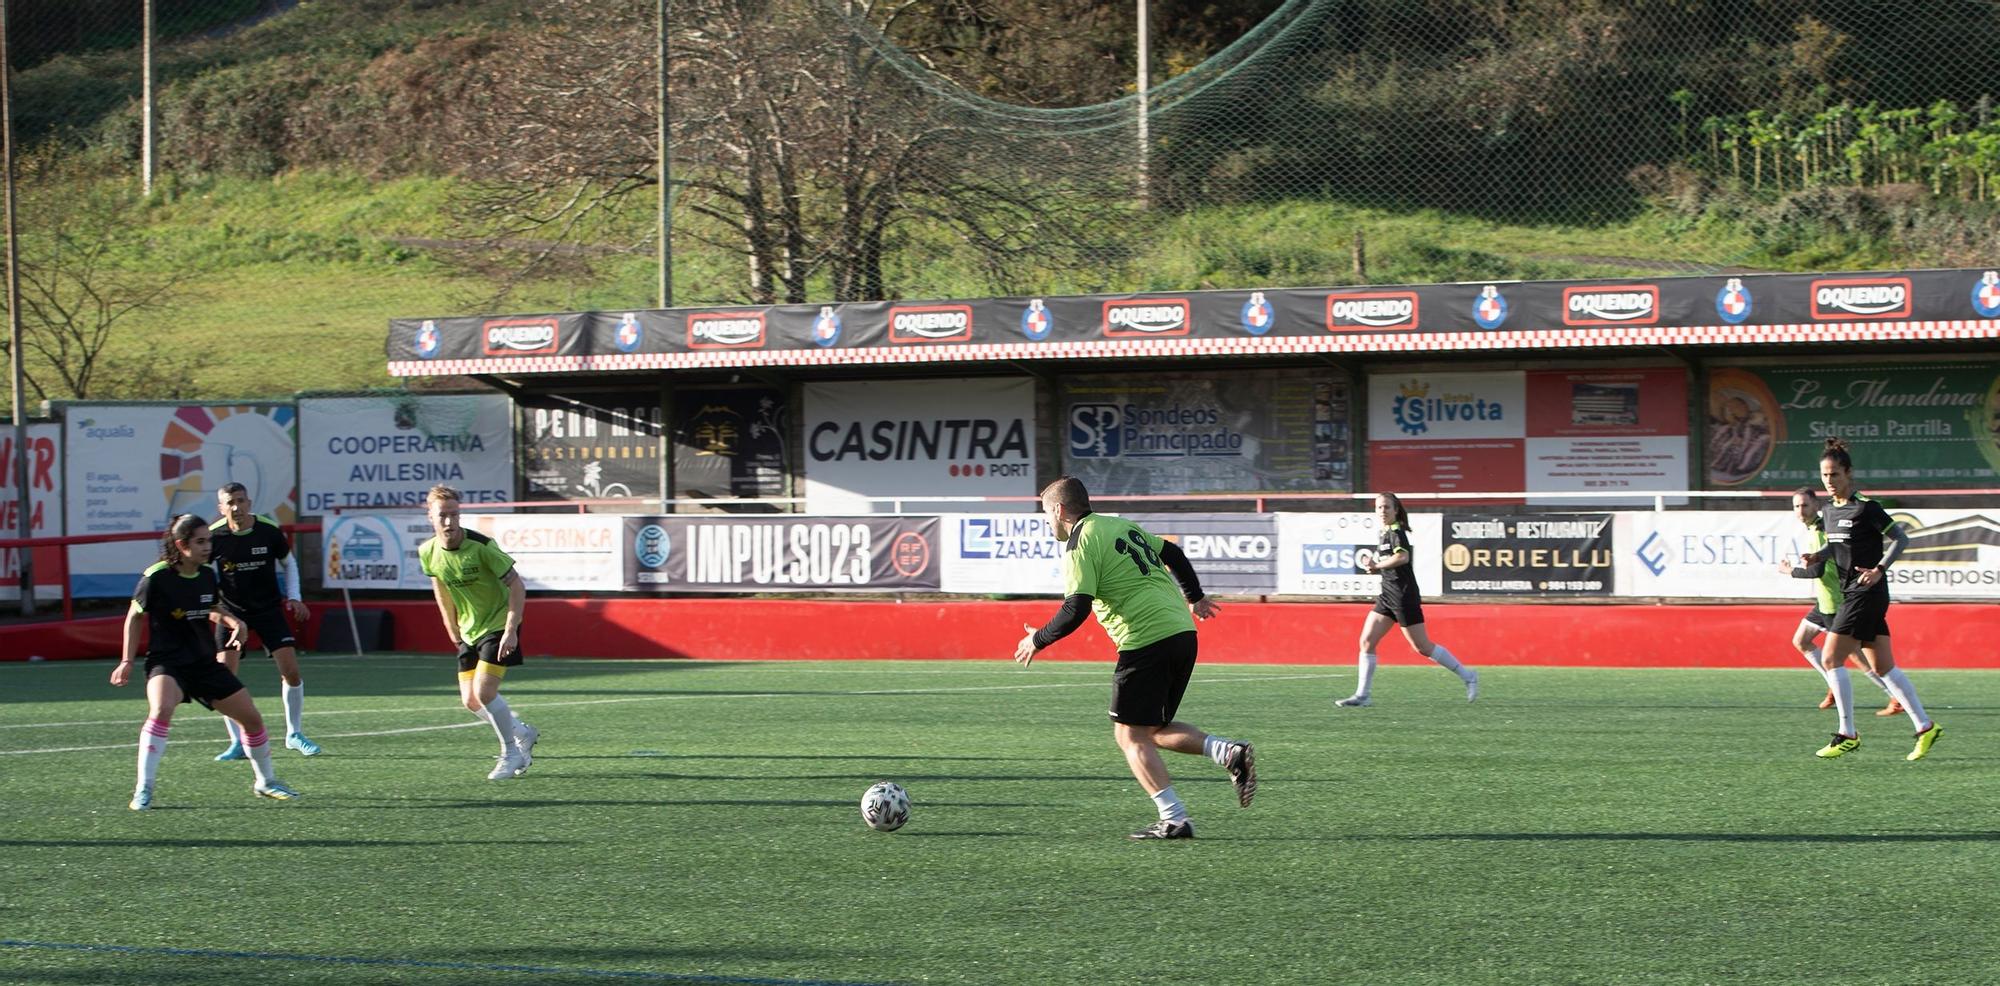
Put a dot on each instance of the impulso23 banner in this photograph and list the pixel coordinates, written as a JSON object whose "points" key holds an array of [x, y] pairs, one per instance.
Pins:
{"points": [[781, 554], [1250, 430], [1907, 424], [1550, 554]]}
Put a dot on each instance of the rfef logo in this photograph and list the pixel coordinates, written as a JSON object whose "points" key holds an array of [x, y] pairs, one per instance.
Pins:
{"points": [[521, 336], [1257, 314], [628, 334], [1986, 295], [930, 323], [1630, 304], [725, 330], [1364, 311], [1036, 322], [1835, 299], [1096, 431], [1733, 302], [1491, 308], [1147, 317]]}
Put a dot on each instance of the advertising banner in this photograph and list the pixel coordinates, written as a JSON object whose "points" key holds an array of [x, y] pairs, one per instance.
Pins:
{"points": [[1953, 554], [910, 438], [1000, 553], [729, 442], [571, 552], [376, 551], [1447, 432], [1547, 554], [43, 451], [1719, 554], [1612, 429], [1233, 554], [1246, 431], [591, 446], [1908, 425], [133, 467], [1320, 554], [389, 450], [782, 554]]}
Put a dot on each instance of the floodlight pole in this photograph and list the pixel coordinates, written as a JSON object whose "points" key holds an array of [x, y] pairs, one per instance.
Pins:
{"points": [[15, 348], [146, 100], [1145, 140], [666, 172]]}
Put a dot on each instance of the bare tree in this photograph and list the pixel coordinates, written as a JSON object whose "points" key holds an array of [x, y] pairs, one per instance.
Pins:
{"points": [[801, 145], [78, 279]]}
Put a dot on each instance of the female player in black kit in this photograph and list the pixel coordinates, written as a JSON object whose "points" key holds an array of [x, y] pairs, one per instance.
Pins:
{"points": [[1399, 604], [177, 597], [1856, 527]]}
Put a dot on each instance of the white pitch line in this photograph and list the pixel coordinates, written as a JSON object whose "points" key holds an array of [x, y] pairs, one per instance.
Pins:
{"points": [[676, 698]]}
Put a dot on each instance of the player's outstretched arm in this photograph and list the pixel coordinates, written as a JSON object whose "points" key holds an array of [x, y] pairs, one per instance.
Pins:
{"points": [[1075, 609]]}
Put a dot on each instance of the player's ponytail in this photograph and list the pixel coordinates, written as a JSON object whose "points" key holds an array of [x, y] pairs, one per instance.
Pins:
{"points": [[1402, 516], [182, 528], [1836, 451]]}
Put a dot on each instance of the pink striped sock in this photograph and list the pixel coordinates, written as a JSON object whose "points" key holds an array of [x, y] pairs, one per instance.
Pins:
{"points": [[156, 727], [258, 738]]}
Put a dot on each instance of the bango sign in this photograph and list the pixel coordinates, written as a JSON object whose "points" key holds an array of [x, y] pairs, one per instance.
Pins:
{"points": [[1321, 554], [1234, 554]]}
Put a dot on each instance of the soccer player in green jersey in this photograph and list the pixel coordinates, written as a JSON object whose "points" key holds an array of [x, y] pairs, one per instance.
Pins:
{"points": [[1826, 601], [1143, 591], [481, 598]]}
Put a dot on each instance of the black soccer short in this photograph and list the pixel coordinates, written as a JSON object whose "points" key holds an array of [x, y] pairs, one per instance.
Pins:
{"points": [[272, 629], [487, 649], [1146, 689], [1819, 619], [1863, 616], [1406, 607], [205, 681]]}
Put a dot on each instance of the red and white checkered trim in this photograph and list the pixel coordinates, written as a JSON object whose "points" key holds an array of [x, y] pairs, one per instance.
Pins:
{"points": [[1571, 338]]}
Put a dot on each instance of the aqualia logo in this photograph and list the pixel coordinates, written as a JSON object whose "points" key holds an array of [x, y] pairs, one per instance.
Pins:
{"points": [[1733, 302], [1491, 308]]}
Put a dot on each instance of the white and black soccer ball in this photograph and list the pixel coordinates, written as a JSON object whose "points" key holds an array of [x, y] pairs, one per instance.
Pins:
{"points": [[885, 807]]}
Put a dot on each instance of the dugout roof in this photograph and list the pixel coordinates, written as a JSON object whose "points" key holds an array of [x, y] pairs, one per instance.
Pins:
{"points": [[1709, 311]]}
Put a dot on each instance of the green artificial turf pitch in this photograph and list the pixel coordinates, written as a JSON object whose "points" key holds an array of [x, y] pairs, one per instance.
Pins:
{"points": [[689, 822]]}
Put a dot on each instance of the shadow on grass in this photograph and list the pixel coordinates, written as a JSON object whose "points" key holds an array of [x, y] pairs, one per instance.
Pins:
{"points": [[1808, 838], [288, 843]]}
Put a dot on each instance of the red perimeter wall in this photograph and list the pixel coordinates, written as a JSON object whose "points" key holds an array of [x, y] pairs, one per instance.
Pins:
{"points": [[1926, 635]]}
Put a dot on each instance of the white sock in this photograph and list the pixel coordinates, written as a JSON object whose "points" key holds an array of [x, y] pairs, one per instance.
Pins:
{"points": [[258, 745], [482, 715], [1812, 657], [1877, 679], [152, 745], [1843, 698], [1444, 660], [502, 719], [1902, 691], [1217, 749], [1367, 673], [295, 708], [235, 731], [1169, 803]]}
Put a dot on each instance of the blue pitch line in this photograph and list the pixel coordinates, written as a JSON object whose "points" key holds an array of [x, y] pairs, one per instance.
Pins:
{"points": [[362, 960]]}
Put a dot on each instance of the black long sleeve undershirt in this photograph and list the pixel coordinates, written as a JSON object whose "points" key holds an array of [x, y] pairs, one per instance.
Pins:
{"points": [[1076, 606]]}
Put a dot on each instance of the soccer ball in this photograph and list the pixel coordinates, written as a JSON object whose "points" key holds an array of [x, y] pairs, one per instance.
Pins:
{"points": [[885, 807]]}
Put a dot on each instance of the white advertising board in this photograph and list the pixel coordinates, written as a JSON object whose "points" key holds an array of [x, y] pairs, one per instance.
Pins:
{"points": [[389, 451], [1318, 554], [1446, 406], [580, 553], [44, 453], [1709, 554], [375, 551], [912, 438], [1003, 553], [133, 467]]}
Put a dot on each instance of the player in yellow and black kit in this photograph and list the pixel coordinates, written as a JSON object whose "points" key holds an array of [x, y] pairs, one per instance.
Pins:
{"points": [[1145, 595], [1856, 527], [482, 599], [1826, 601], [1399, 605], [260, 586], [177, 600]]}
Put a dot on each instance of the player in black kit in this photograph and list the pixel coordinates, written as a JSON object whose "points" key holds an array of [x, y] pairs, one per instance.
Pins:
{"points": [[260, 586], [1855, 529], [1399, 604], [178, 599]]}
